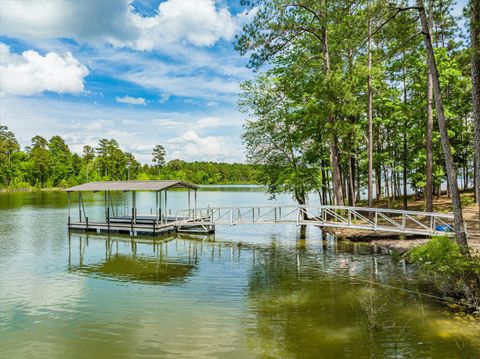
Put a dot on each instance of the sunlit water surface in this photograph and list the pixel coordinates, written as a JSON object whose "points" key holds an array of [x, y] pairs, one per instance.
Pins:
{"points": [[250, 291]]}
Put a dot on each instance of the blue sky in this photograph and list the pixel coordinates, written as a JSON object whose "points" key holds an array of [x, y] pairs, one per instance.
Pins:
{"points": [[144, 72]]}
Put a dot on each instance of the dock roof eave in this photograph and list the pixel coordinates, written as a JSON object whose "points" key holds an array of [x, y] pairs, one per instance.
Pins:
{"points": [[131, 186]]}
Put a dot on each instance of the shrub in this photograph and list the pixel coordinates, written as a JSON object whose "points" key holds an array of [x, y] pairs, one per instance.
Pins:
{"points": [[451, 273]]}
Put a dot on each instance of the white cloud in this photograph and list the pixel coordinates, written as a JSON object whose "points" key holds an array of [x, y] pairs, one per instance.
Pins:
{"points": [[131, 100], [212, 103], [208, 122], [31, 73], [165, 122], [80, 124], [191, 145], [198, 22], [189, 85]]}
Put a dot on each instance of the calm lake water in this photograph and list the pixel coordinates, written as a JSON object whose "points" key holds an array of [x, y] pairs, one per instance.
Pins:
{"points": [[250, 291]]}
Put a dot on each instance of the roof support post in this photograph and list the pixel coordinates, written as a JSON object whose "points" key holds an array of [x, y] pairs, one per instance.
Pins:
{"points": [[80, 206], [166, 210], [189, 206], [156, 205], [68, 202], [134, 207], [105, 203], [195, 200]]}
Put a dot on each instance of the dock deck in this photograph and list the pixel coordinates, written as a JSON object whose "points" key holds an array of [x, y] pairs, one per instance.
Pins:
{"points": [[144, 224]]}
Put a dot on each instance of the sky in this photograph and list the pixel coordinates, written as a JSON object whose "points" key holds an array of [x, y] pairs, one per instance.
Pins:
{"points": [[144, 72]]}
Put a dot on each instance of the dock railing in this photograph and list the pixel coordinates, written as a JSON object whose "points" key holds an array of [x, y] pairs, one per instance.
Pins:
{"points": [[364, 218]]}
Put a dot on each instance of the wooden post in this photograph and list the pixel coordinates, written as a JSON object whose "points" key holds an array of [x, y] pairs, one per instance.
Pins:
{"points": [[68, 201], [134, 207], [160, 206], [79, 207], [189, 207], [105, 202], [165, 210], [156, 206]]}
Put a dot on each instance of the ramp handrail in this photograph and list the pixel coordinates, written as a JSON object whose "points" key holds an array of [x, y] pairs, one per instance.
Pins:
{"points": [[377, 219]]}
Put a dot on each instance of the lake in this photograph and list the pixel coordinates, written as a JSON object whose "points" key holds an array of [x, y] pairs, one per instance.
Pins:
{"points": [[249, 291]]}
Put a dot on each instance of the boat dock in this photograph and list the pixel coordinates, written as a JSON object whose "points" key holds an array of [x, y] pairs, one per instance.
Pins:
{"points": [[203, 220], [158, 221]]}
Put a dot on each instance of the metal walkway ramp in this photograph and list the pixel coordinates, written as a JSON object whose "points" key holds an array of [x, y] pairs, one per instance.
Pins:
{"points": [[375, 219]]}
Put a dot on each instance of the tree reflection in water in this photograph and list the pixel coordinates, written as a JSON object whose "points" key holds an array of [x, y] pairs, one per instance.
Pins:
{"points": [[302, 299], [307, 303]]}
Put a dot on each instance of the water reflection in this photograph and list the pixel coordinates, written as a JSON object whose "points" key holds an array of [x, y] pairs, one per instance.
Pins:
{"points": [[249, 292], [337, 300], [127, 265], [306, 298]]}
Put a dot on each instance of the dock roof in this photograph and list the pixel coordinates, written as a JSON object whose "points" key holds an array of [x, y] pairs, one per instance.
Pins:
{"points": [[131, 186]]}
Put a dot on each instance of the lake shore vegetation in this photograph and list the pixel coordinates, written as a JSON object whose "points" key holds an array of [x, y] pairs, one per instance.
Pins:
{"points": [[51, 164], [363, 96], [368, 96]]}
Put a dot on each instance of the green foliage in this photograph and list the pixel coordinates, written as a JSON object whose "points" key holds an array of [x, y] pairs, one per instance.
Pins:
{"points": [[298, 101], [442, 256], [448, 270], [52, 164], [158, 155]]}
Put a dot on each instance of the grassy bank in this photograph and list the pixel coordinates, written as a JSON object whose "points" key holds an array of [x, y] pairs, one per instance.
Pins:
{"points": [[444, 269]]}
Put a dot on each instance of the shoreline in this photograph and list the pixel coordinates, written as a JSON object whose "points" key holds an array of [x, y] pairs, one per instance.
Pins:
{"points": [[60, 189], [401, 243], [31, 189]]}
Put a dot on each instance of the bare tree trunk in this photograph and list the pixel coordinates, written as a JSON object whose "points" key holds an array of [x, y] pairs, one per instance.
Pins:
{"points": [[332, 143], [429, 135], [378, 182], [370, 115], [475, 183], [351, 180], [357, 188], [459, 224], [378, 166], [324, 183], [405, 156], [387, 184], [475, 40]]}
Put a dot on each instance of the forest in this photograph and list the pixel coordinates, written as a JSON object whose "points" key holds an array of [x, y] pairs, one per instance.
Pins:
{"points": [[50, 163], [363, 96]]}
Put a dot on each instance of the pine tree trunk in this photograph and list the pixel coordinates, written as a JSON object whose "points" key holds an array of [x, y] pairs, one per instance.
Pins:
{"points": [[351, 192], [387, 184], [378, 182], [429, 135], [405, 155], [475, 43], [378, 166], [351, 174], [370, 115], [459, 224], [475, 183], [336, 175], [332, 143]]}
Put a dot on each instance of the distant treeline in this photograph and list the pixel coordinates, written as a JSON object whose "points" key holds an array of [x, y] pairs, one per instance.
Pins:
{"points": [[50, 163]]}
